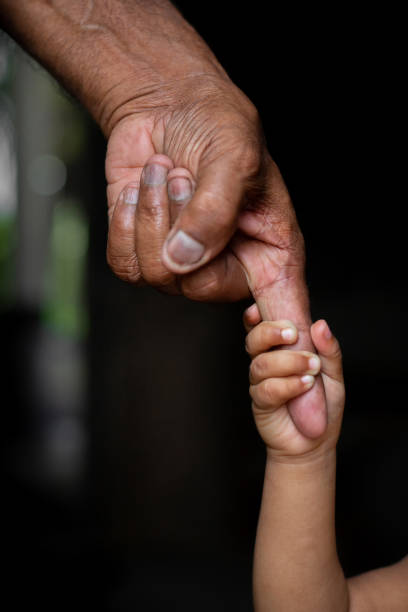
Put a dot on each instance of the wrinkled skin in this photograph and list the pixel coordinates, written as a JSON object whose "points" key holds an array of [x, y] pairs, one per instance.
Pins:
{"points": [[208, 132]]}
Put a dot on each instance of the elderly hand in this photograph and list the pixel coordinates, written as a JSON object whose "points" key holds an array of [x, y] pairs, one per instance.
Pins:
{"points": [[155, 88], [207, 126]]}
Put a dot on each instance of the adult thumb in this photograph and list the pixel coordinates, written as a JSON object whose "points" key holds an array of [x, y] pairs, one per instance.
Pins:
{"points": [[206, 224]]}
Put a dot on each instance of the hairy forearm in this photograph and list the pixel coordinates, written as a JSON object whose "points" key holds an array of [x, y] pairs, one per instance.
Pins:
{"points": [[296, 566], [106, 52]]}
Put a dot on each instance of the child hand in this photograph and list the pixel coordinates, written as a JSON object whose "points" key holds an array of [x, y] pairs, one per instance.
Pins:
{"points": [[279, 375]]}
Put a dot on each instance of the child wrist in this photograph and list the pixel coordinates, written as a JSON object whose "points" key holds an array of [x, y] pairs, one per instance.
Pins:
{"points": [[316, 459]]}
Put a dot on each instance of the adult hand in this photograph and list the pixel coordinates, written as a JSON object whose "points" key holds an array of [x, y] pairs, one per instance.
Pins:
{"points": [[266, 254], [154, 87], [207, 126]]}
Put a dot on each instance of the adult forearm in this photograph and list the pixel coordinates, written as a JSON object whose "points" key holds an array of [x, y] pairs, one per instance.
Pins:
{"points": [[107, 52], [296, 566]]}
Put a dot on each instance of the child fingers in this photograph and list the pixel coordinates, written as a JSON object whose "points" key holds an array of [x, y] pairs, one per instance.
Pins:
{"points": [[283, 363], [329, 350], [275, 392], [269, 334], [251, 317]]}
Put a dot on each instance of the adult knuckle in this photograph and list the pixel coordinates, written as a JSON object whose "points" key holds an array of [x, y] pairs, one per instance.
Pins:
{"points": [[157, 276], [124, 267], [150, 208], [202, 286], [252, 113], [122, 226], [249, 159]]}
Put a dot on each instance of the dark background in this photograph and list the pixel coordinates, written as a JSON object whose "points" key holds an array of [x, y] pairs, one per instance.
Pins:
{"points": [[164, 513]]}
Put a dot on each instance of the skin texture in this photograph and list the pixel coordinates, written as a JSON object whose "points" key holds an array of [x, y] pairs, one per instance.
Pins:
{"points": [[162, 99], [296, 566], [156, 89]]}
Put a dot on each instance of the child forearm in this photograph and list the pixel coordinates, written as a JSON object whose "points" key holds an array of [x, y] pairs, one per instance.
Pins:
{"points": [[296, 566]]}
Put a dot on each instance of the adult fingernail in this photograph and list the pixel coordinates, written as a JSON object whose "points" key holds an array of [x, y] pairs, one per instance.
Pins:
{"points": [[131, 195], [314, 364], [288, 334], [183, 249], [179, 188], [154, 174]]}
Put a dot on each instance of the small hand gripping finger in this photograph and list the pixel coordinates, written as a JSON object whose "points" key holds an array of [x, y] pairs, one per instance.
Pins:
{"points": [[329, 350], [269, 334], [272, 393], [251, 317], [275, 364]]}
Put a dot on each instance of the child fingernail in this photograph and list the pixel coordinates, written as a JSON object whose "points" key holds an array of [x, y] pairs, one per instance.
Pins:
{"points": [[314, 364], [327, 332], [307, 380], [288, 334]]}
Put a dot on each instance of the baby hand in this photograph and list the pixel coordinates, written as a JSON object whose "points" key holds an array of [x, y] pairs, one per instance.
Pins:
{"points": [[279, 375]]}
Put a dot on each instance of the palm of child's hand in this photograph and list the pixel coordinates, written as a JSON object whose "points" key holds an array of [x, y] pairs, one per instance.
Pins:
{"points": [[280, 375]]}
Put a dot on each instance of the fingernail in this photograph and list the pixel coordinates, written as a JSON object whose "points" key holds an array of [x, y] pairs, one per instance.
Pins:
{"points": [[183, 249], [327, 332], [179, 188], [131, 195], [307, 380], [154, 174], [288, 334], [314, 364]]}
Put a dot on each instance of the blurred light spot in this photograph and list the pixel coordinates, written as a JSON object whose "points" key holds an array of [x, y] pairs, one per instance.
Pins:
{"points": [[8, 166], [47, 175], [69, 237], [64, 307]]}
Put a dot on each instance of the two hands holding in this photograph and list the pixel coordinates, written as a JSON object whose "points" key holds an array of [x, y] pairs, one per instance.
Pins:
{"points": [[212, 231], [213, 221], [143, 224], [298, 420], [197, 207], [298, 395]]}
